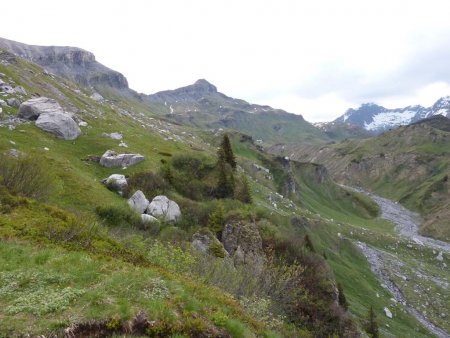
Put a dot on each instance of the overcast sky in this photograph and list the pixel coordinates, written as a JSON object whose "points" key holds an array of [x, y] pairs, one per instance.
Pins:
{"points": [[315, 58]]}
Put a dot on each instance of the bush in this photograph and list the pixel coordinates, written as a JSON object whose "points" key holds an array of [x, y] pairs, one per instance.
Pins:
{"points": [[119, 216], [27, 175], [149, 183]]}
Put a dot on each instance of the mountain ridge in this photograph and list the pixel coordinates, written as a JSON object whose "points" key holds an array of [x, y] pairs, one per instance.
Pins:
{"points": [[376, 118]]}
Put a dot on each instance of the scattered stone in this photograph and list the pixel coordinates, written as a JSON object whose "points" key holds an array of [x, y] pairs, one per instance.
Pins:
{"points": [[20, 90], [83, 124], [59, 124], [12, 142], [116, 182], [15, 153], [3, 103], [13, 102], [123, 144], [440, 257], [138, 202], [387, 312], [46, 149], [161, 206], [112, 159], [114, 136], [32, 108]]}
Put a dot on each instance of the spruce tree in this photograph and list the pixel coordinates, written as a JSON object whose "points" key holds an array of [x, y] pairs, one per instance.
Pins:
{"points": [[226, 182], [244, 194], [216, 220], [341, 298], [372, 325], [228, 151]]}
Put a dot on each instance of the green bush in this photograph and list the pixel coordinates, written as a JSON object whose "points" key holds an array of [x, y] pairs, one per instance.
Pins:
{"points": [[27, 175], [149, 183], [119, 216]]}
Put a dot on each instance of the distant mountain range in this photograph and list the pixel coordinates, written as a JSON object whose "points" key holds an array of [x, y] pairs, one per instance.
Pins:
{"points": [[375, 118]]}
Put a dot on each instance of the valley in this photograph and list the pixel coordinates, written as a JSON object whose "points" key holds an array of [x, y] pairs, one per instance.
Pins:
{"points": [[268, 238]]}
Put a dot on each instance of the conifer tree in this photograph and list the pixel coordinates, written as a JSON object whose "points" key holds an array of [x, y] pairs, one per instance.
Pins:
{"points": [[216, 220], [372, 325], [244, 194], [226, 182], [341, 298], [228, 154]]}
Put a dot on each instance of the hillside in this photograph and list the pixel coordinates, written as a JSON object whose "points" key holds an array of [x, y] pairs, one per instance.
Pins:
{"points": [[268, 247], [409, 165]]}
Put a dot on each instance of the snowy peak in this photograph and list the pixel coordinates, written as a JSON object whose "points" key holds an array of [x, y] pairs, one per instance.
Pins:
{"points": [[375, 118]]}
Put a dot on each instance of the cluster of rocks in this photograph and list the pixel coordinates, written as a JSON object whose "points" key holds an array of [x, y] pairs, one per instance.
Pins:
{"points": [[160, 207], [50, 117]]}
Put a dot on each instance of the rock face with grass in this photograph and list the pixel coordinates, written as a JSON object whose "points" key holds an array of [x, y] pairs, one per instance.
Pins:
{"points": [[116, 182], [111, 159], [33, 108], [162, 207], [138, 202], [59, 124], [244, 244]]}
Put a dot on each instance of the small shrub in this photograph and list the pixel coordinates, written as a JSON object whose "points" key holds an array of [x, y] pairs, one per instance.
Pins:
{"points": [[216, 249], [27, 175], [149, 183], [119, 216]]}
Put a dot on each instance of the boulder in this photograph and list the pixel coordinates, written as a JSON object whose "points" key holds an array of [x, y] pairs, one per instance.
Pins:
{"points": [[146, 219], [116, 182], [244, 244], [387, 312], [2, 103], [138, 202], [13, 102], [163, 207], [59, 124], [112, 159], [32, 108]]}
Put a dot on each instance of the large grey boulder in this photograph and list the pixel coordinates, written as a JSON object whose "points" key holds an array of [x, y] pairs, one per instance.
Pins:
{"points": [[32, 108], [138, 202], [163, 207], [112, 159], [204, 241], [147, 219], [59, 124], [116, 182]]}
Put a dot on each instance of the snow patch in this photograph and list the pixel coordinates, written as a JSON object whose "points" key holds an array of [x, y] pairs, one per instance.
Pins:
{"points": [[390, 119]]}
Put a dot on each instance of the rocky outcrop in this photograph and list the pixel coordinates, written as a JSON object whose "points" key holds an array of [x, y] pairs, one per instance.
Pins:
{"points": [[116, 182], [243, 242], [59, 124], [111, 159], [204, 241], [73, 63], [138, 202], [162, 207], [31, 109]]}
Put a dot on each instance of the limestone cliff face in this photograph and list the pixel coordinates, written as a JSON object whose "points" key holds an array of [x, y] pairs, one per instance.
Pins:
{"points": [[73, 63]]}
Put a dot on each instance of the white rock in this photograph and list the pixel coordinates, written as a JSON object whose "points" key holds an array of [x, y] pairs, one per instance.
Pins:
{"points": [[387, 312], [59, 124], [123, 144], [32, 108], [161, 206], [83, 124], [114, 136], [97, 97], [20, 90], [138, 202], [440, 257], [112, 159], [116, 182], [46, 149], [148, 219]]}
